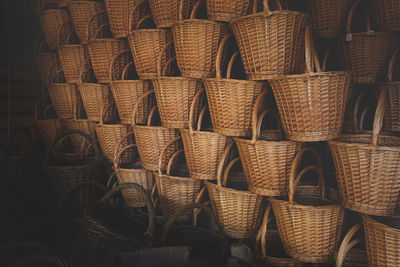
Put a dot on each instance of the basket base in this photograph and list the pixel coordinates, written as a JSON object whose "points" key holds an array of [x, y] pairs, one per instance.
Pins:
{"points": [[232, 132], [175, 124], [197, 74], [262, 76], [166, 24], [369, 209], [148, 76], [222, 17], [268, 192], [311, 258], [313, 136], [203, 176], [103, 80]]}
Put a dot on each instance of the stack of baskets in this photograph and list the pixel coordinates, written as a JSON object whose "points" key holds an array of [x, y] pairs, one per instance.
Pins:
{"points": [[156, 79]]}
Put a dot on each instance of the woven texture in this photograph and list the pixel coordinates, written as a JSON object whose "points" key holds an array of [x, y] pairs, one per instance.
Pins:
{"points": [[96, 97], [392, 106], [44, 61], [81, 12], [51, 20], [271, 43], [166, 12], [66, 100], [382, 243], [85, 126], [387, 14], [227, 10], [73, 58]]}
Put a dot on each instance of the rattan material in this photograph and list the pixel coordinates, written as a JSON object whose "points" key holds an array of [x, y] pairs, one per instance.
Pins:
{"points": [[367, 168], [176, 193], [81, 12], [271, 42], [329, 17], [44, 61], [203, 150], [51, 20], [150, 139], [238, 212], [227, 10], [266, 163], [367, 54], [196, 44], [231, 101], [312, 105], [82, 125], [386, 14], [126, 92], [382, 242], [48, 128], [347, 255], [132, 174], [166, 12], [120, 15], [311, 231], [174, 96]]}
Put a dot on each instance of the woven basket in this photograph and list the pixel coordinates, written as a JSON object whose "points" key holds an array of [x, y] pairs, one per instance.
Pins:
{"points": [[174, 96], [266, 163], [231, 101], [203, 149], [366, 54], [347, 255], [382, 240], [132, 173], [238, 212], [82, 125], [48, 128], [126, 92], [51, 20], [311, 227], [271, 42], [367, 168], [196, 44], [103, 50], [227, 10], [146, 46], [312, 105], [122, 12], [166, 13], [44, 61], [150, 140], [175, 192], [386, 14], [329, 17]]}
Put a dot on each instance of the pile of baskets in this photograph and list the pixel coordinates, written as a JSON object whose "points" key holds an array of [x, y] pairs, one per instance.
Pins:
{"points": [[159, 85]]}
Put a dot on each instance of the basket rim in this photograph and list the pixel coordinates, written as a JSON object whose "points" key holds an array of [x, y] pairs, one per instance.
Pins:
{"points": [[269, 13], [117, 125], [327, 207], [130, 81], [365, 146], [94, 84], [313, 74], [232, 80], [83, 1], [104, 40], [72, 45], [382, 225], [142, 170], [177, 78], [51, 10], [281, 142], [130, 35], [231, 190], [59, 84], [187, 131], [363, 34], [178, 178], [204, 21], [151, 127]]}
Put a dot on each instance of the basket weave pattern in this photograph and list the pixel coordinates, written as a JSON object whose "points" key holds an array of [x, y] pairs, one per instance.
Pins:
{"points": [[51, 20], [227, 10]]}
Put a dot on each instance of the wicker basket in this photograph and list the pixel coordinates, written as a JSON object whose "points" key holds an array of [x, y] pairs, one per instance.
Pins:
{"points": [[176, 192], [366, 54], [227, 10], [126, 92], [311, 226], [203, 149], [266, 163], [44, 61], [386, 14], [150, 139], [382, 237], [312, 105], [122, 12], [196, 44], [82, 125], [132, 173], [329, 17], [166, 13], [103, 50], [146, 46], [231, 101], [48, 128], [271, 42], [174, 95], [51, 20], [347, 255], [367, 168]]}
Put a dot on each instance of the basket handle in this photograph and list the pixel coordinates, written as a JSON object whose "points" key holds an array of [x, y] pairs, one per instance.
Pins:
{"points": [[355, 111], [294, 182], [222, 163], [219, 55], [85, 69], [172, 160], [228, 169], [160, 71], [126, 69], [378, 118], [267, 7], [56, 72], [60, 28], [191, 111], [256, 109], [90, 21], [118, 153], [326, 57], [311, 56], [37, 104], [160, 158], [346, 245], [231, 61], [194, 10], [391, 64], [369, 32], [110, 72], [261, 237], [135, 109], [130, 20]]}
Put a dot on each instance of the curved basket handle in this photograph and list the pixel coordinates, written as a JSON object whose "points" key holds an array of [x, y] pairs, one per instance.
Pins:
{"points": [[146, 196], [69, 33], [267, 7], [391, 64], [90, 21], [222, 163], [369, 31], [294, 182], [326, 57], [37, 104], [112, 180], [151, 114], [192, 108], [172, 160], [130, 20], [160, 158], [261, 237], [56, 72], [228, 169], [85, 69], [378, 118], [231, 61], [118, 153], [362, 117], [140, 22], [160, 70], [346, 245], [110, 72], [254, 120], [311, 56], [201, 116], [126, 69], [135, 109], [219, 55], [355, 111], [195, 9]]}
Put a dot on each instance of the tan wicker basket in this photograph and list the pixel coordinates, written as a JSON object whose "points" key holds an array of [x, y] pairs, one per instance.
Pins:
{"points": [[48, 128], [196, 44], [82, 125], [51, 20], [203, 149], [150, 139], [238, 212], [174, 95], [227, 10], [312, 105], [271, 42], [121, 13], [231, 101], [126, 92], [81, 12], [386, 14], [174, 192], [266, 163], [132, 173], [366, 54], [166, 12], [367, 168], [347, 254], [310, 227]]}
